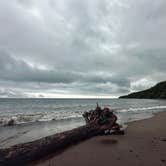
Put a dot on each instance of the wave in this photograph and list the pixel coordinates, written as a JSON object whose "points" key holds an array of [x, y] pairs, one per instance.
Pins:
{"points": [[155, 108], [61, 116], [16, 119]]}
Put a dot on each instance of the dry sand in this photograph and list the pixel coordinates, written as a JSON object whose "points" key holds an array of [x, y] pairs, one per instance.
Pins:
{"points": [[144, 144]]}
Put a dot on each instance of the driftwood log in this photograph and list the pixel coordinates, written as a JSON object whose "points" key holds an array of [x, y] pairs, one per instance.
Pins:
{"points": [[97, 123]]}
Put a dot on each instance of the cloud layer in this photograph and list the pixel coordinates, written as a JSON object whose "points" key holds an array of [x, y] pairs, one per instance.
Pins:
{"points": [[73, 48]]}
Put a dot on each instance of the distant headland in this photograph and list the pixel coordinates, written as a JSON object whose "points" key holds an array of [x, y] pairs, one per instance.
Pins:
{"points": [[156, 92]]}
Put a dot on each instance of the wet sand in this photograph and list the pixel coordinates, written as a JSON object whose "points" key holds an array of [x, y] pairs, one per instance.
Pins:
{"points": [[144, 144]]}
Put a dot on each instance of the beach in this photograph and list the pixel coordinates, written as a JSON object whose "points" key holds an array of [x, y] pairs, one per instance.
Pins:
{"points": [[144, 143]]}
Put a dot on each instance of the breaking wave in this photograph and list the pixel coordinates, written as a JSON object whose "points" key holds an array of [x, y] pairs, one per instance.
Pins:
{"points": [[62, 116], [16, 119], [134, 110]]}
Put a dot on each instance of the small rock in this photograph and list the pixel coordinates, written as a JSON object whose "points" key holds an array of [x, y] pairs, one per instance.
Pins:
{"points": [[10, 122]]}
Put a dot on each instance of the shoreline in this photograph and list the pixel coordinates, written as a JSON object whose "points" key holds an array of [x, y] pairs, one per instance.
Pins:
{"points": [[144, 143]]}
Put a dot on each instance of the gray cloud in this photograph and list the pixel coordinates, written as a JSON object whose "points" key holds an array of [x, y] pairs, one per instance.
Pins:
{"points": [[18, 70], [97, 48], [12, 93]]}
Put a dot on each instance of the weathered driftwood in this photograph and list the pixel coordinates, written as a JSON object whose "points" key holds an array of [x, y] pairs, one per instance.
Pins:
{"points": [[23, 153]]}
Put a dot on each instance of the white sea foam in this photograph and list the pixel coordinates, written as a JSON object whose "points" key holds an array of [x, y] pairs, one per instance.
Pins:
{"points": [[15, 119], [39, 116], [155, 108]]}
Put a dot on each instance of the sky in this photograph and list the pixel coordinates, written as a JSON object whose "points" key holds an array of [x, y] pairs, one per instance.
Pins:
{"points": [[75, 48]]}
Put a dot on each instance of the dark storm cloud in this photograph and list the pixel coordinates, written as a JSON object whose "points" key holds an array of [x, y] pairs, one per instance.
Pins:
{"points": [[12, 69], [104, 48], [18, 70]]}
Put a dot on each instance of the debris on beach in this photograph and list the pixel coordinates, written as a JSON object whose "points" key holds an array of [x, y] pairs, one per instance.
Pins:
{"points": [[98, 122], [105, 118]]}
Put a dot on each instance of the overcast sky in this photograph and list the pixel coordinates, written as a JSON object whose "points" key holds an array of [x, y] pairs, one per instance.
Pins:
{"points": [[81, 48]]}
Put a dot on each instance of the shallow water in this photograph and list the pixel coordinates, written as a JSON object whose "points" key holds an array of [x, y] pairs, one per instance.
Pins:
{"points": [[36, 118]]}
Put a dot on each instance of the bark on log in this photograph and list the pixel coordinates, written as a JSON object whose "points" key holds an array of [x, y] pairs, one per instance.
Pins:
{"points": [[23, 153]]}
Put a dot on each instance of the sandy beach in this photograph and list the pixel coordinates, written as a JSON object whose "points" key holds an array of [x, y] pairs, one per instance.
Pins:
{"points": [[143, 144]]}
